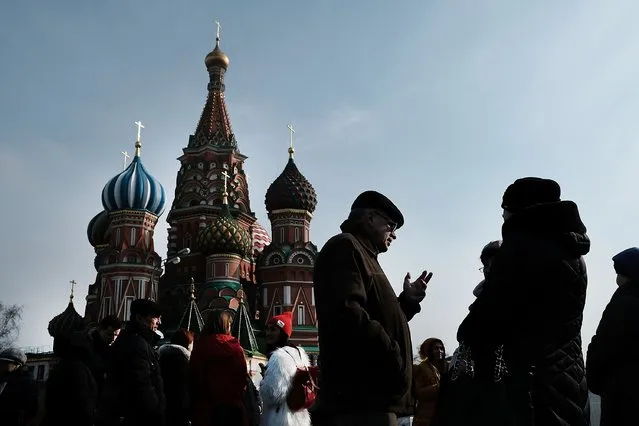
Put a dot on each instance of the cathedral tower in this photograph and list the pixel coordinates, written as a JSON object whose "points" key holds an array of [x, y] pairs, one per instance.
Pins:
{"points": [[286, 266], [127, 265], [211, 213]]}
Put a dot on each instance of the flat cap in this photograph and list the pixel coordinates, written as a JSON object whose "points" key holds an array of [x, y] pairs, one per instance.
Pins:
{"points": [[14, 355], [377, 201]]}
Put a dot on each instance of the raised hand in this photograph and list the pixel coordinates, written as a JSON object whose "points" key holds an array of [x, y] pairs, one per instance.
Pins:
{"points": [[416, 291]]}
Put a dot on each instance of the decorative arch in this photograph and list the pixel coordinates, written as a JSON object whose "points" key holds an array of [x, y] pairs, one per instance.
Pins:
{"points": [[300, 257], [274, 258]]}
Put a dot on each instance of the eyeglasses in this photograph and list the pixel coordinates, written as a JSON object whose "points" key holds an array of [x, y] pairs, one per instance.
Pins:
{"points": [[392, 226], [481, 269]]}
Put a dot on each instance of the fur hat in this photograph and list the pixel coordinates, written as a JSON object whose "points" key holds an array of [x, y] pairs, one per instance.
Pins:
{"points": [[528, 191], [146, 308], [283, 321], [627, 263], [377, 201], [13, 355]]}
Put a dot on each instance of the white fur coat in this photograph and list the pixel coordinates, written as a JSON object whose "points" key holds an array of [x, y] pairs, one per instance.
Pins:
{"points": [[275, 386]]}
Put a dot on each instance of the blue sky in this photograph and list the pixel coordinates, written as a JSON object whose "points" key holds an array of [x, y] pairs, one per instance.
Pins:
{"points": [[440, 105]]}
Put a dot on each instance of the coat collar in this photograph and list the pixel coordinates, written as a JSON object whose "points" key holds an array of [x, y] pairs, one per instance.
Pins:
{"points": [[351, 227]]}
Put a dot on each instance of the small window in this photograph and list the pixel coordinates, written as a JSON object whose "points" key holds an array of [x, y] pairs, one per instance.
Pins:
{"points": [[287, 295], [264, 296], [133, 236], [301, 314], [277, 310], [226, 269], [117, 236], [40, 374], [297, 234], [281, 235], [106, 306], [127, 307]]}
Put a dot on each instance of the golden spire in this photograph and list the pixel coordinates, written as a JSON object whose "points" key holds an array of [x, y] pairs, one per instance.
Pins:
{"points": [[192, 289], [291, 150], [225, 195], [73, 283], [138, 143], [217, 57]]}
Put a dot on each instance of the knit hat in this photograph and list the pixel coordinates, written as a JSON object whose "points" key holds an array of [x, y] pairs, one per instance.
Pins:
{"points": [[377, 201], [13, 355], [528, 191], [283, 321], [627, 263]]}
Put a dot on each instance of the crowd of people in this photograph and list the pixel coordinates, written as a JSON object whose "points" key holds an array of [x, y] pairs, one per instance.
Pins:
{"points": [[519, 359]]}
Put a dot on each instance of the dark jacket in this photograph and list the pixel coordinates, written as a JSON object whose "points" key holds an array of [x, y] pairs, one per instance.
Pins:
{"points": [[363, 329], [611, 364], [99, 357], [532, 302], [174, 364], [217, 381], [72, 392], [133, 389], [18, 399]]}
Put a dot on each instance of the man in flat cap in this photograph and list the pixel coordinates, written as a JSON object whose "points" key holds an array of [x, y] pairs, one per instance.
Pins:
{"points": [[134, 392], [532, 303], [611, 366], [366, 360]]}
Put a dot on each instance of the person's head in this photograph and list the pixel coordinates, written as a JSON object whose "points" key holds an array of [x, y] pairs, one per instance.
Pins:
{"points": [[11, 359], [183, 338], [219, 321], [432, 349], [378, 217], [146, 313], [626, 265], [527, 192], [279, 329], [109, 328], [488, 253]]}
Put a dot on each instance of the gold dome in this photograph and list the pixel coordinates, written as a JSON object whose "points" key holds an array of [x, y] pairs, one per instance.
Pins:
{"points": [[217, 57]]}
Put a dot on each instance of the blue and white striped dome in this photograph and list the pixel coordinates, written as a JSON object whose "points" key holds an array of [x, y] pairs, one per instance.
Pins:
{"points": [[134, 189]]}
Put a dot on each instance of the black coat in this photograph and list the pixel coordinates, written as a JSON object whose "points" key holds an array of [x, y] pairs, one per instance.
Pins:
{"points": [[532, 302], [367, 358], [72, 392], [133, 389], [174, 364], [611, 364], [18, 399]]}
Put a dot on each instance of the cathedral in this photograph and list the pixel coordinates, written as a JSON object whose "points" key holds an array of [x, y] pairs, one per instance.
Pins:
{"points": [[219, 256]]}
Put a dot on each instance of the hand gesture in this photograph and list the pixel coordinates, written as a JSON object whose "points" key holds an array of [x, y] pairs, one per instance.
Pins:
{"points": [[416, 291]]}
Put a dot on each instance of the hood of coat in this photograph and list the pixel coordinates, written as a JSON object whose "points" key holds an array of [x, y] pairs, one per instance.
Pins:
{"points": [[559, 221], [217, 346], [170, 350]]}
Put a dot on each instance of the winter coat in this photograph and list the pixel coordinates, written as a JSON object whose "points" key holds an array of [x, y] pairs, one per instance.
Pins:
{"points": [[532, 302], [133, 389], [611, 363], [99, 357], [217, 380], [72, 391], [366, 361], [427, 382], [18, 398], [274, 388], [174, 365]]}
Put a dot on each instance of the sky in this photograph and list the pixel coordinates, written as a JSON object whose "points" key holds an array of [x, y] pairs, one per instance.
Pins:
{"points": [[439, 105]]}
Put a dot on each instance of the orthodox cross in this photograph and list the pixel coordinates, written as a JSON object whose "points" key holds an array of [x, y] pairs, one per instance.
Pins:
{"points": [[217, 33], [126, 157], [291, 150], [140, 127], [192, 289], [226, 176], [72, 282]]}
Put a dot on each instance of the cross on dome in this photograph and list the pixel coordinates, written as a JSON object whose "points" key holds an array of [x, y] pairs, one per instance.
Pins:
{"points": [[73, 283], [291, 131], [138, 143], [126, 157], [217, 32]]}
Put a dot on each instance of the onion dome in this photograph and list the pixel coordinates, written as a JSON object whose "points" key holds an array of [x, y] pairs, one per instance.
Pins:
{"points": [[217, 58], [134, 189], [68, 321], [225, 235], [291, 190], [260, 237], [97, 229]]}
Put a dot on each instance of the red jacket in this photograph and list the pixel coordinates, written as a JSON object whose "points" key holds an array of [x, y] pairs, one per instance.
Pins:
{"points": [[217, 375]]}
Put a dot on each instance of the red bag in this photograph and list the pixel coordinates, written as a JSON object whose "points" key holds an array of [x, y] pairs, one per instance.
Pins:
{"points": [[304, 388]]}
